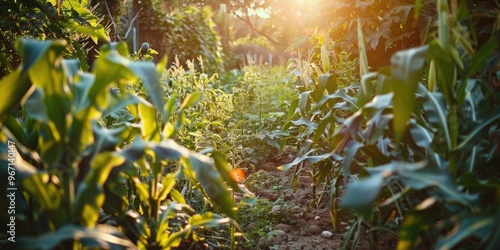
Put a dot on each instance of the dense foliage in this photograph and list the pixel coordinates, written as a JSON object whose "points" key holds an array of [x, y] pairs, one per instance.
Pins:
{"points": [[69, 20], [395, 102], [88, 149], [185, 33], [417, 149]]}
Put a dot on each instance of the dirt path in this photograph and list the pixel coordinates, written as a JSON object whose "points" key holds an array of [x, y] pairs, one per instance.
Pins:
{"points": [[281, 220]]}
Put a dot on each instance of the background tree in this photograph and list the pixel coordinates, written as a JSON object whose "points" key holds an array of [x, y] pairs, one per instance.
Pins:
{"points": [[260, 27], [69, 20]]}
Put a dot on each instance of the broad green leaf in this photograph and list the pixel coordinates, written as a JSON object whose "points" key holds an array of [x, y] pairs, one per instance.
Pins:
{"points": [[14, 87], [422, 137], [171, 212], [406, 68], [318, 133], [208, 219], [325, 60], [110, 67], [368, 188], [122, 101], [438, 179], [191, 100], [168, 110], [304, 98], [82, 84], [311, 159], [134, 151], [150, 129], [90, 195], [480, 128], [71, 69], [177, 196], [151, 81], [479, 226], [46, 193], [99, 237], [378, 124], [311, 126], [161, 65], [168, 149], [80, 133], [349, 152], [366, 90], [444, 67], [436, 111], [374, 155], [477, 62], [211, 181], [96, 33], [37, 184], [17, 129], [363, 59], [31, 50], [380, 102], [45, 72], [168, 183], [413, 225], [175, 239], [328, 82], [142, 190], [222, 166], [110, 139], [168, 130], [34, 106], [345, 101]]}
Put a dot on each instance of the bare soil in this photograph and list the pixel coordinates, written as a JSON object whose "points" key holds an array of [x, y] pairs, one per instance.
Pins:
{"points": [[303, 223]]}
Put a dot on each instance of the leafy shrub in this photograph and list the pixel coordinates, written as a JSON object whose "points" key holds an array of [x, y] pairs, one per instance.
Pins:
{"points": [[260, 98], [238, 112], [185, 33], [251, 46], [205, 126], [71, 20]]}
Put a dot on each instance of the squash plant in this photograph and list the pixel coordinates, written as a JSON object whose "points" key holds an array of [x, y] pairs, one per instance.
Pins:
{"points": [[75, 168], [418, 150]]}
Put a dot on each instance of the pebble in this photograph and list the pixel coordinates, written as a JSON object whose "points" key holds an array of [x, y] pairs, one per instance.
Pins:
{"points": [[275, 209], [270, 241], [317, 218], [268, 166], [251, 226], [313, 229], [326, 234], [296, 209], [282, 227], [262, 242], [280, 235]]}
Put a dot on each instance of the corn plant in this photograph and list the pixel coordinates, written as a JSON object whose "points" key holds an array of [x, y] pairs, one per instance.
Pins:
{"points": [[442, 148], [88, 150], [418, 152]]}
